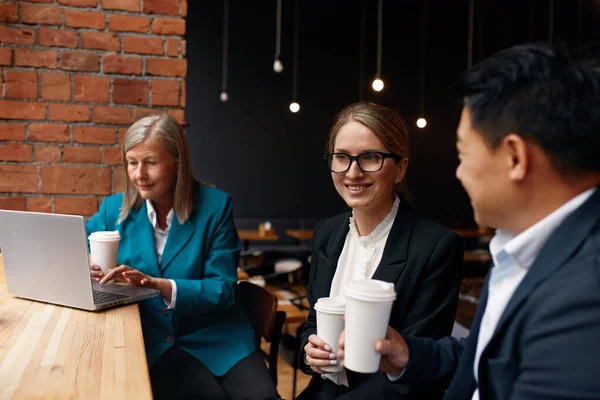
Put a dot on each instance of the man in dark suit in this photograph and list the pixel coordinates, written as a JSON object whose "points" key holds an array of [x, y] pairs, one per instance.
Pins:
{"points": [[529, 150]]}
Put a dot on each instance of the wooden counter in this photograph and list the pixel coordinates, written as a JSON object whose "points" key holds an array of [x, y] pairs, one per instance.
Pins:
{"points": [[49, 351]]}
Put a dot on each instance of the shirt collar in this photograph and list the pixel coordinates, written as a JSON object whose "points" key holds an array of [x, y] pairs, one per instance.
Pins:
{"points": [[525, 247], [152, 216]]}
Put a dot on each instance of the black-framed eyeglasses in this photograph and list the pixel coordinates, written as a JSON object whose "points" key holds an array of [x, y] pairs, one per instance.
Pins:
{"points": [[369, 161]]}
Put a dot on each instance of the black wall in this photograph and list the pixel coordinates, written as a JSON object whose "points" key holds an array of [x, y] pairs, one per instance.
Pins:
{"points": [[270, 160]]}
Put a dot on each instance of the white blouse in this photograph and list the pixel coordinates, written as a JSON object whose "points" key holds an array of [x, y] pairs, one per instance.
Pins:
{"points": [[359, 260]]}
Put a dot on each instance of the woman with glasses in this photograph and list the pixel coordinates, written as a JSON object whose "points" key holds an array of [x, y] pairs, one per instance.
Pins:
{"points": [[382, 238]]}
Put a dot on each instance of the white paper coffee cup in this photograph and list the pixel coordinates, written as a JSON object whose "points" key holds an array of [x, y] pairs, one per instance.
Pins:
{"points": [[104, 247], [330, 323], [368, 307]]}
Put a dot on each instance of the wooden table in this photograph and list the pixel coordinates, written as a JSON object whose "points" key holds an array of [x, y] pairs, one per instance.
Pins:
{"points": [[300, 234], [49, 351], [248, 235]]}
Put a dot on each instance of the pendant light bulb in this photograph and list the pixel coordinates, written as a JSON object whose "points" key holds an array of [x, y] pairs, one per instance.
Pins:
{"points": [[277, 66], [224, 96], [294, 107], [421, 122], [377, 85]]}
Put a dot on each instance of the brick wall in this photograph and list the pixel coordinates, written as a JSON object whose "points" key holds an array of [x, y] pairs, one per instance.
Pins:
{"points": [[74, 75]]}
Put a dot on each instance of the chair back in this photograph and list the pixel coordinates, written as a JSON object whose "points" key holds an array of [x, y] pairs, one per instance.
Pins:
{"points": [[261, 308]]}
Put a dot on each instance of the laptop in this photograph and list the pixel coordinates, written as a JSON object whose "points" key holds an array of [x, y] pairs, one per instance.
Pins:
{"points": [[46, 259]]}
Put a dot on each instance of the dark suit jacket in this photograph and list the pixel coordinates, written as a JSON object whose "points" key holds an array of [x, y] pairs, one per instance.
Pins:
{"points": [[422, 259], [546, 343]]}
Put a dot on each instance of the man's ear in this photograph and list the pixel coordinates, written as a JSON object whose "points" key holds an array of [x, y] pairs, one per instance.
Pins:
{"points": [[517, 156]]}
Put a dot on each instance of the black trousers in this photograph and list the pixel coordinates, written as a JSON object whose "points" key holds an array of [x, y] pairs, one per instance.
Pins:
{"points": [[179, 375]]}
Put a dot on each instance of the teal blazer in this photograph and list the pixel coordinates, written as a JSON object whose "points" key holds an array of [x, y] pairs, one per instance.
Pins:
{"points": [[201, 257]]}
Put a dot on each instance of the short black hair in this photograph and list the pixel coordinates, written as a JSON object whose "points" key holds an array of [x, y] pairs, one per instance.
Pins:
{"points": [[543, 94]]}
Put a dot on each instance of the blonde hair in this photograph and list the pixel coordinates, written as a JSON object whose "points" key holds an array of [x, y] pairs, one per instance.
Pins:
{"points": [[168, 131], [387, 126]]}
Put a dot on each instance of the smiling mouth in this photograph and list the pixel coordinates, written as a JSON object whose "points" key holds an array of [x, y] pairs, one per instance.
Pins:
{"points": [[356, 188], [146, 187]]}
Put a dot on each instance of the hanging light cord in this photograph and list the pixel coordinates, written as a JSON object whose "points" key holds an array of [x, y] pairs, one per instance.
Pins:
{"points": [[423, 55], [551, 22], [225, 43], [362, 46], [295, 64], [278, 31], [470, 36], [379, 36]]}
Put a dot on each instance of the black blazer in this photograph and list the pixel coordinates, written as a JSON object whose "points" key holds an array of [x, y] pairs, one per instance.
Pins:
{"points": [[546, 343], [423, 260]]}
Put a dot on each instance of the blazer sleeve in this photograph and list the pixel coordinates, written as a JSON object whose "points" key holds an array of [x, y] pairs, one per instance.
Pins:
{"points": [[216, 290], [310, 326], [99, 221], [433, 310]]}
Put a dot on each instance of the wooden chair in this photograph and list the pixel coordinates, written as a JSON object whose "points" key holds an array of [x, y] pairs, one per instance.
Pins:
{"points": [[261, 308]]}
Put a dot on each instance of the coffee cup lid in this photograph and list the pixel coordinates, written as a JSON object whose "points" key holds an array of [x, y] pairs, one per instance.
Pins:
{"points": [[333, 305], [371, 290], [105, 235]]}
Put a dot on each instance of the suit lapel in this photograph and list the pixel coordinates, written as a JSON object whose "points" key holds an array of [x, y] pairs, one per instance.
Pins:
{"points": [[142, 228], [329, 256], [179, 236], [561, 246], [395, 252]]}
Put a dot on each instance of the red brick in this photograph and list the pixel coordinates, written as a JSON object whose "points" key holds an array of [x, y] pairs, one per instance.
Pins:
{"points": [[183, 98], [118, 179], [167, 67], [35, 58], [81, 154], [84, 19], [168, 26], [91, 88], [78, 180], [16, 203], [8, 12], [126, 5], [184, 9], [172, 47], [112, 63], [183, 47], [12, 132], [79, 3], [68, 112], [15, 152], [143, 45], [112, 156], [36, 1], [56, 86], [161, 7], [21, 110], [41, 132], [80, 61], [39, 204], [144, 112], [128, 91], [56, 37], [179, 115], [165, 93], [16, 35], [21, 84], [43, 153], [122, 133], [75, 205], [126, 23], [5, 56], [90, 134], [100, 41], [111, 115], [18, 178], [46, 15]]}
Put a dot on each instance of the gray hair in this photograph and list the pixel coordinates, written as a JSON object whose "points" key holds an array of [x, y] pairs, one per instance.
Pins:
{"points": [[168, 131]]}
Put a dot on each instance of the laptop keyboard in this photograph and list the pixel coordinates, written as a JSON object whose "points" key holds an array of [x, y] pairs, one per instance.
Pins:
{"points": [[105, 297]]}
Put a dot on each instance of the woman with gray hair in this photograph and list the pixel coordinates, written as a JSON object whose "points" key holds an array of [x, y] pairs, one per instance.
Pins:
{"points": [[178, 236]]}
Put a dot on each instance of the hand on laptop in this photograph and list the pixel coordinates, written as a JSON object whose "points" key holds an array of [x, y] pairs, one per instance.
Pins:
{"points": [[135, 278]]}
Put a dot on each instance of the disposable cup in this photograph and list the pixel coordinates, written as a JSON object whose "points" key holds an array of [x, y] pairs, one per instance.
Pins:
{"points": [[104, 246], [368, 307], [330, 323]]}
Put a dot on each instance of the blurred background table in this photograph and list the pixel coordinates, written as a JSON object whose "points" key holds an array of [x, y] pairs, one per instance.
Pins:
{"points": [[49, 351]]}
